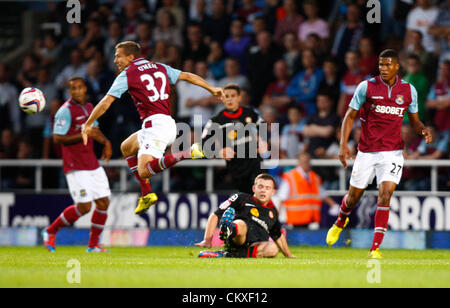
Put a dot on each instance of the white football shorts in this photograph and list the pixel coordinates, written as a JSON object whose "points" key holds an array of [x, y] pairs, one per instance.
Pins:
{"points": [[154, 140], [387, 166], [88, 185]]}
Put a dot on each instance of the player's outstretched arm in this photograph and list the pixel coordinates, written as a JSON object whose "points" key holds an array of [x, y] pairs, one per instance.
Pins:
{"points": [[347, 125], [419, 127], [199, 81], [100, 109], [209, 231], [283, 246]]}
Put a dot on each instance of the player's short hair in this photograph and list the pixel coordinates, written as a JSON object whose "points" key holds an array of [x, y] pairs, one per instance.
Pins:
{"points": [[389, 53], [74, 78], [233, 86], [266, 176], [130, 48], [413, 57]]}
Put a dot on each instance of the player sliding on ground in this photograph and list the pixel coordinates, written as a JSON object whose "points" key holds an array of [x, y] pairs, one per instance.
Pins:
{"points": [[381, 102], [247, 222], [149, 85]]}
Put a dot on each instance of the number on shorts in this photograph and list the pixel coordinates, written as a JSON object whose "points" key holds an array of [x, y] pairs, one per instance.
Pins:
{"points": [[151, 86], [395, 167]]}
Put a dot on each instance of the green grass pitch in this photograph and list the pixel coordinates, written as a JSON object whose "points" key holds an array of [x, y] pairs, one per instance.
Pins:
{"points": [[179, 267]]}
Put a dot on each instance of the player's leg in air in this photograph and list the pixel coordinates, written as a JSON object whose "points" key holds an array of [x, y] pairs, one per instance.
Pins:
{"points": [[348, 204], [145, 158]]}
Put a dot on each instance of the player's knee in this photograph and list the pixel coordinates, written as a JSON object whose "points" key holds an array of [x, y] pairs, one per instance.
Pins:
{"points": [[84, 208], [144, 172], [102, 204], [272, 250], [124, 149]]}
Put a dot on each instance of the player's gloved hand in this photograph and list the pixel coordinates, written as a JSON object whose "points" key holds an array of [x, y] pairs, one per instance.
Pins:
{"points": [[204, 243], [333, 210]]}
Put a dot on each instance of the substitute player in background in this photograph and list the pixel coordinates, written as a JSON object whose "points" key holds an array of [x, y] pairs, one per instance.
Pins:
{"points": [[149, 85], [243, 170], [87, 181], [247, 222], [382, 102]]}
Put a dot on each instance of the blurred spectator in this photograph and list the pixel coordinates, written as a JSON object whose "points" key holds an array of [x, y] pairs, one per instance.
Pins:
{"points": [[131, 20], [258, 25], [237, 45], [348, 35], [183, 88], [233, 74], [420, 19], [413, 46], [260, 65], [76, 68], [331, 82], [50, 51], [144, 38], [98, 82], [173, 56], [292, 144], [332, 152], [275, 94], [247, 10], [195, 48], [321, 127], [50, 149], [415, 77], [71, 41], [440, 30], [304, 86], [24, 175], [175, 9], [167, 30], [160, 52], [8, 148], [292, 55], [113, 38], [28, 72], [290, 21], [199, 101], [439, 99], [9, 112], [314, 42], [313, 23], [217, 25], [353, 76], [197, 10], [369, 60], [435, 150], [93, 39], [216, 60]]}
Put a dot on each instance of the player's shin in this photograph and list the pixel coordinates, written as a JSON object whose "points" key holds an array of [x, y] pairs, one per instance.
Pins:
{"points": [[67, 218], [343, 213], [145, 183], [160, 164], [381, 224], [98, 223]]}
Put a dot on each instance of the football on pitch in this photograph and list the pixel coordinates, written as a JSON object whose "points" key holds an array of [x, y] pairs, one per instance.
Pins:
{"points": [[31, 100]]}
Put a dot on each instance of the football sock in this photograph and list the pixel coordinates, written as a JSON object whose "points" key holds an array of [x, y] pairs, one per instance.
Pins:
{"points": [[343, 213], [145, 183], [98, 223], [160, 164], [67, 218], [381, 224], [252, 251]]}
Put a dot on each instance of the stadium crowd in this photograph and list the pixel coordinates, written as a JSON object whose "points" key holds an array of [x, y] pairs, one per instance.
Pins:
{"points": [[297, 61]]}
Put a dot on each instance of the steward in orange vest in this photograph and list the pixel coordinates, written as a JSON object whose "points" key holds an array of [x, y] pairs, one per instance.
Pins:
{"points": [[302, 194]]}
